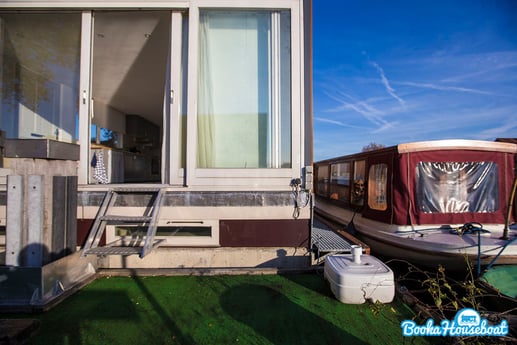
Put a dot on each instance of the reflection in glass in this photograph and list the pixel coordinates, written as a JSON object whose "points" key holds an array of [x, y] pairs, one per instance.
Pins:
{"points": [[358, 186], [340, 181], [377, 187], [39, 75], [457, 187]]}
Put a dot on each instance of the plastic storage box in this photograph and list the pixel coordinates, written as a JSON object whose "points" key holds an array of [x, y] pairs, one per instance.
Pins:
{"points": [[354, 282]]}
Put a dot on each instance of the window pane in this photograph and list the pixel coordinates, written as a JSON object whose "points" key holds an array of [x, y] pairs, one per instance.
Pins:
{"points": [[457, 187], [184, 231], [358, 187], [39, 58], [322, 176], [377, 186], [244, 112], [340, 182]]}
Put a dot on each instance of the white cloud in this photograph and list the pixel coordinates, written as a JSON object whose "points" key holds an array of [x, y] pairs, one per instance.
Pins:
{"points": [[500, 131], [444, 87], [387, 85], [331, 121], [362, 107]]}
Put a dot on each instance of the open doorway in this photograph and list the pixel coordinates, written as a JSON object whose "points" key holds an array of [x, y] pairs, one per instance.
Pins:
{"points": [[129, 70]]}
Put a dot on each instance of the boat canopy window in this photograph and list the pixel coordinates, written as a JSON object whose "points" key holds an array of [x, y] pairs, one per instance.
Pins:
{"points": [[377, 187], [457, 187]]}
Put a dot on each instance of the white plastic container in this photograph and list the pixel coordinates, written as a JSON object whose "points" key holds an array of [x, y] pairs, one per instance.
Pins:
{"points": [[354, 282]]}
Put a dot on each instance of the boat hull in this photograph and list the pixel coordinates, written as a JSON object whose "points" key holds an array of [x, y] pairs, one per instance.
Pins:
{"points": [[426, 245]]}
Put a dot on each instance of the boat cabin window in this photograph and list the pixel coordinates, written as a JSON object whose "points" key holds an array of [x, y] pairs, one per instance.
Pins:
{"points": [[340, 181], [377, 186], [322, 176], [358, 184], [457, 187]]}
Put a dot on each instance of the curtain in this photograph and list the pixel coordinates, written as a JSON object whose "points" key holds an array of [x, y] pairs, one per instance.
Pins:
{"points": [[239, 86], [233, 90], [377, 187]]}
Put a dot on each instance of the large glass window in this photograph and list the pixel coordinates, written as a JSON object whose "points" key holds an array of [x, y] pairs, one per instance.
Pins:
{"points": [[39, 75], [457, 187], [244, 92]]}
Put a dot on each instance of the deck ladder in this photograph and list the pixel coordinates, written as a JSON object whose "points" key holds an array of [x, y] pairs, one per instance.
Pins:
{"points": [[149, 219]]}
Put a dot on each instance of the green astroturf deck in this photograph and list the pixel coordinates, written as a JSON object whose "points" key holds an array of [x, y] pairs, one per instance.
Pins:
{"points": [[243, 309]]}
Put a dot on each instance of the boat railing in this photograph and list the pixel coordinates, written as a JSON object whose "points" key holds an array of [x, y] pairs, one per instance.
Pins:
{"points": [[498, 254]]}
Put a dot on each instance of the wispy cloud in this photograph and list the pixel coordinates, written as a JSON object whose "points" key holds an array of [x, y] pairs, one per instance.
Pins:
{"points": [[486, 66], [334, 122], [387, 126], [386, 83], [439, 87], [363, 107], [498, 131], [346, 101]]}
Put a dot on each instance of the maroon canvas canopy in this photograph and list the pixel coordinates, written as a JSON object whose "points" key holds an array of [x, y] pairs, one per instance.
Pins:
{"points": [[436, 182], [477, 190]]}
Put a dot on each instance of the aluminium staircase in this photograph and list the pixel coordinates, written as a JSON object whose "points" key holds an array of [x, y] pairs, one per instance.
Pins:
{"points": [[105, 218]]}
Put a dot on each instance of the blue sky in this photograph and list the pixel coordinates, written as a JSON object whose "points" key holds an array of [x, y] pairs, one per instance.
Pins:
{"points": [[401, 71]]}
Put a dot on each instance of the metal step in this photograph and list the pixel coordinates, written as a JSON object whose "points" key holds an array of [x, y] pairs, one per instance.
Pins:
{"points": [[104, 251], [136, 189], [126, 219]]}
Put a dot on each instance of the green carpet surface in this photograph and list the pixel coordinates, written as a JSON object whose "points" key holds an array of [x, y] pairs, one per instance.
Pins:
{"points": [[240, 309]]}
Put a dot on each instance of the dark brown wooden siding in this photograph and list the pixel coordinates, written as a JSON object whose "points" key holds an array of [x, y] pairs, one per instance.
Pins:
{"points": [[83, 229], [264, 233]]}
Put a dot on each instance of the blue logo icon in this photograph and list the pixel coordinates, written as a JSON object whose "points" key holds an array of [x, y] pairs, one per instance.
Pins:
{"points": [[467, 322]]}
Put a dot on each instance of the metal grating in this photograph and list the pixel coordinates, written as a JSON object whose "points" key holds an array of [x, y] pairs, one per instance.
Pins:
{"points": [[326, 240], [101, 251], [129, 219]]}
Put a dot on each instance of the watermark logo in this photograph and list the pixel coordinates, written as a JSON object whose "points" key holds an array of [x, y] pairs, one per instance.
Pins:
{"points": [[467, 322]]}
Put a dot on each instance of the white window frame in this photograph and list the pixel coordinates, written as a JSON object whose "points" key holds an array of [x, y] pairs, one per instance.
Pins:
{"points": [[172, 172], [246, 177], [84, 98]]}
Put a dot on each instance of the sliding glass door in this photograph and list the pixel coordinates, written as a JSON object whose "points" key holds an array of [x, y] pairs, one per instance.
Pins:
{"points": [[133, 108], [244, 113]]}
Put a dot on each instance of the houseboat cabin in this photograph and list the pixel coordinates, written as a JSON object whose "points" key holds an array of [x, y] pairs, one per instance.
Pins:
{"points": [[415, 201], [196, 109]]}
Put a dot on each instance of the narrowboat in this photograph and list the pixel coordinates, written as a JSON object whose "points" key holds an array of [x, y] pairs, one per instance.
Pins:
{"points": [[444, 202]]}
